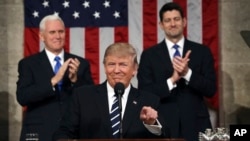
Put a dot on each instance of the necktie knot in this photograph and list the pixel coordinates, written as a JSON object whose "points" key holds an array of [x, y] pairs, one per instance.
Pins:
{"points": [[177, 53], [57, 59], [175, 46]]}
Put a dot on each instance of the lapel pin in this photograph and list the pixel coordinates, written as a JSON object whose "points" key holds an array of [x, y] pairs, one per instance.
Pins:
{"points": [[134, 102]]}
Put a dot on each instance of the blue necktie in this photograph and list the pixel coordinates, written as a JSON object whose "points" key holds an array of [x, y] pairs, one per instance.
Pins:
{"points": [[177, 53], [115, 118], [56, 68]]}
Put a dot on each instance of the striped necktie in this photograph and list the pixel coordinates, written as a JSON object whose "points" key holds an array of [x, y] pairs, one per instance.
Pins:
{"points": [[56, 68], [115, 118]]}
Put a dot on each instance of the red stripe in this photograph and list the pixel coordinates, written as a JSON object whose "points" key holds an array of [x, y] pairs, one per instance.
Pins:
{"points": [[121, 34], [67, 38], [150, 14], [31, 41], [211, 36], [183, 4], [92, 51]]}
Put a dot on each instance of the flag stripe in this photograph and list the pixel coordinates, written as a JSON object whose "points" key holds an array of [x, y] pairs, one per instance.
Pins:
{"points": [[135, 24], [77, 46], [211, 37], [92, 50], [31, 39], [149, 23], [121, 34], [104, 43], [194, 24], [67, 41]]}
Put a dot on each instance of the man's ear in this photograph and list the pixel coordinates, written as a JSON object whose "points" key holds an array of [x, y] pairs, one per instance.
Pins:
{"points": [[41, 36], [135, 70], [184, 22], [161, 25]]}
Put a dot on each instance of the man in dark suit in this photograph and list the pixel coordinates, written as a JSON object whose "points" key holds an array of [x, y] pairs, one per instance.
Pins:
{"points": [[45, 93], [89, 115], [180, 82]]}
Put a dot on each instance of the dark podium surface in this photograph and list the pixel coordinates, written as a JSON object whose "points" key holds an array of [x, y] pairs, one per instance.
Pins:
{"points": [[122, 140]]}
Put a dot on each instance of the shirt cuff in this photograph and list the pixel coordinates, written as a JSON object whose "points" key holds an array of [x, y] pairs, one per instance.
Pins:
{"points": [[188, 75], [154, 129], [170, 84]]}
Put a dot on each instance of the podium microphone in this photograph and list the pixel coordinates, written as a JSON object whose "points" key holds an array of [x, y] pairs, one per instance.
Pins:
{"points": [[119, 90]]}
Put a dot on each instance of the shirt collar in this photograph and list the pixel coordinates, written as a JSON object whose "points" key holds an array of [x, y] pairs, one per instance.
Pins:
{"points": [[51, 56], [180, 43], [111, 91]]}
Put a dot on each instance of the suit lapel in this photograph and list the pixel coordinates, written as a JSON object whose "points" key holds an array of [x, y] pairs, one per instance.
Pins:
{"points": [[102, 102], [163, 53], [44, 62], [186, 47], [132, 109]]}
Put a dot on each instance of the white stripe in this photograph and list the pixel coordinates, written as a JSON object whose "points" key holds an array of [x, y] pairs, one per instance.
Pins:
{"points": [[115, 124], [106, 38], [194, 22], [115, 117], [116, 132], [135, 30], [114, 110], [76, 44], [160, 32], [135, 24]]}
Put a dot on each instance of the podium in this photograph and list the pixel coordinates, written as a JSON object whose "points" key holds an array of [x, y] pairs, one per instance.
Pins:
{"points": [[122, 140]]}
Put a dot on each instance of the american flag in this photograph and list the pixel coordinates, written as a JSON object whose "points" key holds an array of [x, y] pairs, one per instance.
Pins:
{"points": [[92, 25]]}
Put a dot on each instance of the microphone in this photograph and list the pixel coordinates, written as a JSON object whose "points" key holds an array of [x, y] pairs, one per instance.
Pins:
{"points": [[119, 90]]}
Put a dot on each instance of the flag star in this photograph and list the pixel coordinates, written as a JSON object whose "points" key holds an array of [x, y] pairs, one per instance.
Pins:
{"points": [[86, 4], [116, 14], [56, 13], [76, 15], [65, 4], [45, 4], [96, 14], [35, 14], [106, 4]]}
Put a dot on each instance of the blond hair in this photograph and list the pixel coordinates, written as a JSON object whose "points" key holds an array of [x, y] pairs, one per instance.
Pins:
{"points": [[121, 50]]}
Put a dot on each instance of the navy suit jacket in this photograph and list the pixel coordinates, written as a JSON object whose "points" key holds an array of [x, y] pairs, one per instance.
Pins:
{"points": [[88, 117], [44, 104], [184, 108]]}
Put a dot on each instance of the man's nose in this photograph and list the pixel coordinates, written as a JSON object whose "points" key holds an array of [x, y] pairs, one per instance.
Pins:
{"points": [[172, 22], [117, 68]]}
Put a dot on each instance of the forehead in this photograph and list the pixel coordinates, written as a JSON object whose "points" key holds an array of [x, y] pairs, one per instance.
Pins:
{"points": [[117, 58], [172, 13], [54, 24]]}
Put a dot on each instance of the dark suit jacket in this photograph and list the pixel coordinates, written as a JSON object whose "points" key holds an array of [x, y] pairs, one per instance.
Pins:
{"points": [[89, 117], [44, 104], [184, 108]]}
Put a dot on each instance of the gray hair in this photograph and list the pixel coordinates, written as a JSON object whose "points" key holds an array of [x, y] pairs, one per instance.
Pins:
{"points": [[121, 49], [49, 18]]}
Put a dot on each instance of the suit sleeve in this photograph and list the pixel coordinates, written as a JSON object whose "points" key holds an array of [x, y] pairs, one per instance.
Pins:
{"points": [[203, 78], [32, 85], [147, 80]]}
